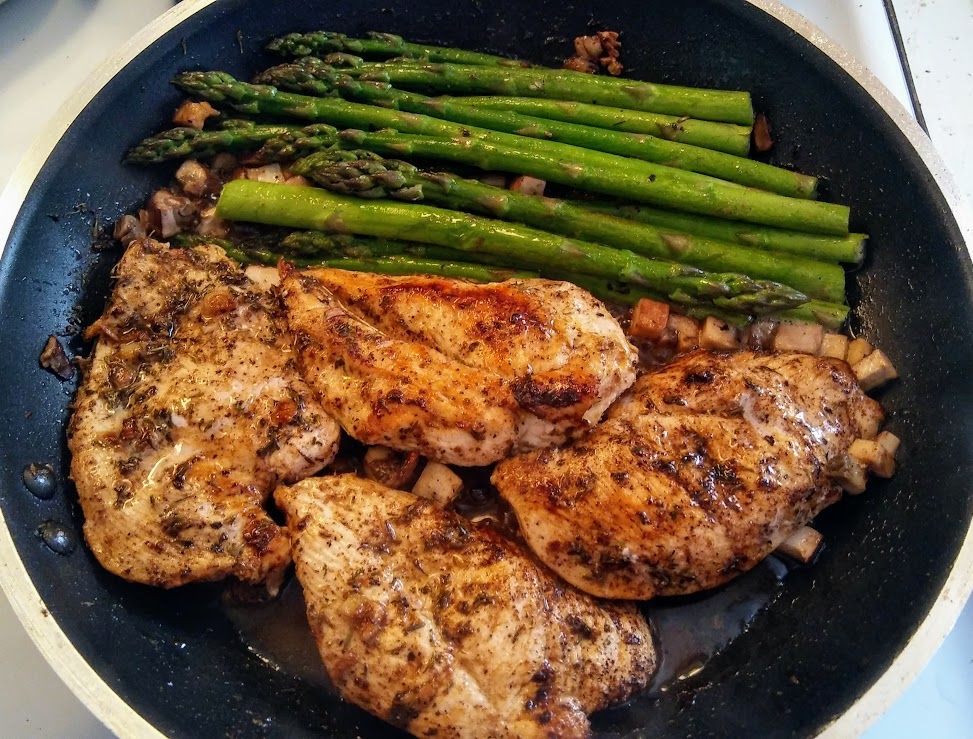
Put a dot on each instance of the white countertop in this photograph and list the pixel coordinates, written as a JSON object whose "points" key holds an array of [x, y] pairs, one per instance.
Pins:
{"points": [[47, 47]]}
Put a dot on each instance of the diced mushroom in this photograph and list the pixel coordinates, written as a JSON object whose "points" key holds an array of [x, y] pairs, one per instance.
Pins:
{"points": [[759, 335], [799, 337], [874, 370], [196, 179], [649, 319], [211, 224], [223, 164], [851, 475], [128, 228], [528, 185], [889, 442], [834, 345], [266, 173], [802, 545], [389, 467], [170, 213], [717, 334], [874, 456], [438, 483], [55, 360], [858, 349], [193, 114], [686, 330]]}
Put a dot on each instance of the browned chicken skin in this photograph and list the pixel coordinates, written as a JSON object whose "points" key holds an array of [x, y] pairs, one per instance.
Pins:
{"points": [[697, 474], [463, 373], [447, 629], [190, 411]]}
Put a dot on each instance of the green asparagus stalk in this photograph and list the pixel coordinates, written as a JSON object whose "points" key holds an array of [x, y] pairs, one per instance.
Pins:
{"points": [[562, 84], [380, 45], [404, 265], [570, 165], [829, 315], [312, 77], [611, 175], [311, 208], [178, 143], [849, 248], [321, 249], [728, 137], [401, 180]]}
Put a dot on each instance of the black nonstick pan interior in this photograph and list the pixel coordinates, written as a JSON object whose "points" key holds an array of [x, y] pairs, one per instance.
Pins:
{"points": [[814, 641]]}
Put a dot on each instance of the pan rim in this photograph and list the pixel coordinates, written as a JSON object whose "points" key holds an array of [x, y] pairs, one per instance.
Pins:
{"points": [[123, 720]]}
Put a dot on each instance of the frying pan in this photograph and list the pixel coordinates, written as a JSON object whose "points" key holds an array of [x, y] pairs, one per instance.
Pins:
{"points": [[825, 648]]}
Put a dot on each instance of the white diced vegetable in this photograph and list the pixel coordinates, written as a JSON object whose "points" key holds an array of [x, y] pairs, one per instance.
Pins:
{"points": [[389, 467], [858, 349], [874, 370], [686, 330], [802, 545], [889, 441], [211, 224], [195, 178], [266, 173], [717, 334], [438, 483], [528, 185], [873, 456], [851, 475], [799, 337], [834, 345], [649, 319]]}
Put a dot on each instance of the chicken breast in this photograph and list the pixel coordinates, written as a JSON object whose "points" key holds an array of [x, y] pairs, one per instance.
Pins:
{"points": [[447, 629], [190, 412], [699, 473], [399, 394], [564, 355], [546, 351]]}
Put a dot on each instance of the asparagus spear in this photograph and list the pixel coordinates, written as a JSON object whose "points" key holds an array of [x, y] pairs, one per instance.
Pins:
{"points": [[728, 137], [315, 245], [311, 208], [849, 248], [381, 45], [337, 250], [570, 165], [312, 77], [618, 176], [178, 143], [390, 178], [562, 84]]}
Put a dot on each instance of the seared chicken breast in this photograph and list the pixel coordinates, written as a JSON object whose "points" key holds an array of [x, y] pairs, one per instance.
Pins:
{"points": [[449, 630], [399, 394], [700, 472], [564, 356], [190, 412], [462, 373]]}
